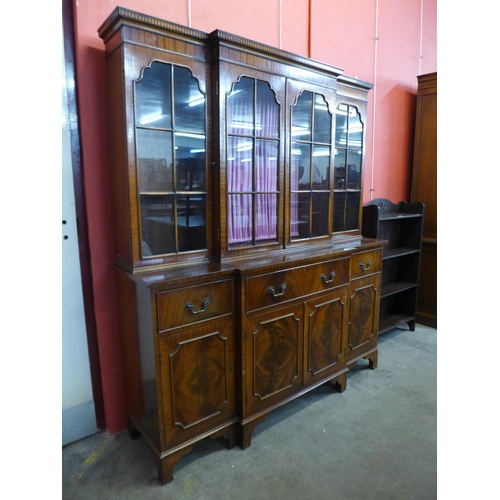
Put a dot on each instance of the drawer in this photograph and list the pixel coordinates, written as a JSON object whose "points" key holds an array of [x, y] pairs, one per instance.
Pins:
{"points": [[281, 286], [184, 306], [365, 263]]}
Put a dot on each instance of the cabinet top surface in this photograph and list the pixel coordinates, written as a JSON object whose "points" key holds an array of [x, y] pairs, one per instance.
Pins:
{"points": [[188, 274]]}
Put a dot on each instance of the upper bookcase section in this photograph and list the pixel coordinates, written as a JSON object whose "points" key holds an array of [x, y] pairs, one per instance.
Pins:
{"points": [[224, 147]]}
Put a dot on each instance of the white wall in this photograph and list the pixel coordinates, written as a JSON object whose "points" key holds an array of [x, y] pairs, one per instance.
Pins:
{"points": [[78, 413]]}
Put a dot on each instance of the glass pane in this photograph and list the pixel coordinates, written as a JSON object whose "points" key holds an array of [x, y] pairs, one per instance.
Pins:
{"points": [[353, 169], [303, 215], [157, 221], [154, 160], [341, 125], [338, 212], [320, 214], [240, 218], [266, 219], [190, 162], [153, 97], [301, 166], [294, 215], [267, 112], [240, 107], [191, 222], [321, 167], [339, 171], [189, 102], [239, 164], [352, 211], [355, 129], [322, 120], [302, 117], [266, 165]]}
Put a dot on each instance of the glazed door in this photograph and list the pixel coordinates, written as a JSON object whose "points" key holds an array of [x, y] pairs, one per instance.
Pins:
{"points": [[251, 160], [197, 381], [272, 344], [325, 339], [310, 152]]}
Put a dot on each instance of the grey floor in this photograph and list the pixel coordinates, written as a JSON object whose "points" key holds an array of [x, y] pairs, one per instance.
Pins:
{"points": [[377, 440]]}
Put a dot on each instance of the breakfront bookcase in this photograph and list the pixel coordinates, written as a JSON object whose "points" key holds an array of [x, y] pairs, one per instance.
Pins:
{"points": [[244, 277]]}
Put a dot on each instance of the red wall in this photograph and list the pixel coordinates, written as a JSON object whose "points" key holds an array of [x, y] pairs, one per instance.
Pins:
{"points": [[386, 42]]}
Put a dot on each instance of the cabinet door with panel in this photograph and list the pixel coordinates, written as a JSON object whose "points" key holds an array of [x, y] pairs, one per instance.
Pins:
{"points": [[272, 357], [325, 337], [364, 300], [198, 368]]}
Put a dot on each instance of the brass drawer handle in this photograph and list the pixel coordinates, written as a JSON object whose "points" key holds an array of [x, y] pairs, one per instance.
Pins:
{"points": [[273, 292], [324, 280], [188, 306], [362, 265]]}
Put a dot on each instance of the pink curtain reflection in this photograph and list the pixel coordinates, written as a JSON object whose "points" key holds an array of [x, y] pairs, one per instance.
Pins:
{"points": [[240, 158]]}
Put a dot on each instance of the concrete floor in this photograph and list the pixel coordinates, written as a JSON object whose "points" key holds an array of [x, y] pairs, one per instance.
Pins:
{"points": [[377, 440]]}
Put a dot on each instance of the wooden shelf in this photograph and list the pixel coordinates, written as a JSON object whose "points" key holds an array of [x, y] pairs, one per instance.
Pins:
{"points": [[397, 216], [399, 286], [398, 252], [391, 321], [401, 225]]}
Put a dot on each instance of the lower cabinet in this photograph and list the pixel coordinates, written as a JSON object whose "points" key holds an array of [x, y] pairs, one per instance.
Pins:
{"points": [[296, 338], [210, 351], [179, 335]]}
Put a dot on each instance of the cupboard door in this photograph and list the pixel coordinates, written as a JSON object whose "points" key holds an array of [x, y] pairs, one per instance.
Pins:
{"points": [[325, 325], [364, 303], [252, 160], [272, 357], [171, 131], [197, 381], [312, 111]]}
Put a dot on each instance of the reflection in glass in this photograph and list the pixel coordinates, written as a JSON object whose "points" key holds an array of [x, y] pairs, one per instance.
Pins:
{"points": [[321, 167], [240, 218], [347, 168], [252, 162], [267, 112], [189, 102], [171, 130], [190, 162], [160, 215], [341, 125], [322, 120], [352, 211], [157, 220], [301, 166], [302, 117], [353, 169], [266, 217], [266, 165], [338, 211], [355, 128], [239, 164], [302, 216], [153, 97], [310, 166], [191, 222], [320, 214], [240, 108], [154, 160]]}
